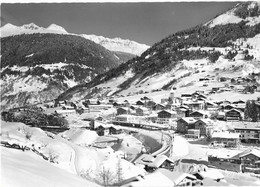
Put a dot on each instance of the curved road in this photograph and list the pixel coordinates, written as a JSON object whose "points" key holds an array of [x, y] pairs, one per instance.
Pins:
{"points": [[74, 157]]}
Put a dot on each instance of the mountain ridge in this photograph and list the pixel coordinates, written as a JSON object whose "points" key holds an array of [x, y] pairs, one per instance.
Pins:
{"points": [[112, 44]]}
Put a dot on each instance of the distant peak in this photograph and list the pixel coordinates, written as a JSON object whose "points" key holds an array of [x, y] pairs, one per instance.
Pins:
{"points": [[31, 26], [56, 27], [9, 25]]}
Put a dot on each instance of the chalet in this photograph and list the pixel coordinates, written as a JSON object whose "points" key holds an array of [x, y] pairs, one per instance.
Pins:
{"points": [[225, 139], [102, 131], [140, 103], [116, 104], [238, 102], [210, 105], [141, 111], [250, 160], [115, 130], [227, 107], [129, 118], [159, 107], [151, 162], [126, 103], [177, 101], [195, 105], [245, 161], [99, 107], [193, 133], [165, 116], [198, 114], [186, 96], [122, 110], [132, 107], [233, 115], [201, 96], [149, 104], [182, 112], [205, 126], [185, 123], [221, 115], [146, 98], [249, 132]]}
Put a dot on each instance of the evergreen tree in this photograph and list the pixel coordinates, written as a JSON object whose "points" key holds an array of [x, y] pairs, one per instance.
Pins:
{"points": [[251, 111]]}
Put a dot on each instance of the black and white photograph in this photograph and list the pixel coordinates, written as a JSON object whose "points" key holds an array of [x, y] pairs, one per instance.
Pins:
{"points": [[130, 93]]}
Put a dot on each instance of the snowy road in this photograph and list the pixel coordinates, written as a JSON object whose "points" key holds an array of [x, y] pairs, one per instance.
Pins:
{"points": [[74, 154]]}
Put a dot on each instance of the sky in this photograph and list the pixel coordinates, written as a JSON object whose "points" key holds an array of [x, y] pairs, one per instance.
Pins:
{"points": [[143, 22]]}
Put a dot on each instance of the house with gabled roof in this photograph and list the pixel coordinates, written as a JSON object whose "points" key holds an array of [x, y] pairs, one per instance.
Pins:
{"points": [[183, 124], [141, 111], [234, 115], [199, 114], [159, 106], [166, 116], [205, 126]]}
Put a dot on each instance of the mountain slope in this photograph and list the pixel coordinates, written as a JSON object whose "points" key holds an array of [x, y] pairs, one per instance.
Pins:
{"points": [[118, 44], [228, 49], [38, 67], [115, 44]]}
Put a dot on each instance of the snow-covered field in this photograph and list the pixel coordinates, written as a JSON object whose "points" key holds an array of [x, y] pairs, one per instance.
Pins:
{"points": [[70, 158], [26, 169]]}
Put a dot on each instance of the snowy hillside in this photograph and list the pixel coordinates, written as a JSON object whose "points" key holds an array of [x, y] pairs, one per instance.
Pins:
{"points": [[61, 162], [248, 12], [115, 44], [38, 67]]}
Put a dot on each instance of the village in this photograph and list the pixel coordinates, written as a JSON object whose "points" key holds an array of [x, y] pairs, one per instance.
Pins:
{"points": [[222, 135]]}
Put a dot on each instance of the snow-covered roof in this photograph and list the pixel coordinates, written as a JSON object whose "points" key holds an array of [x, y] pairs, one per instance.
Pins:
{"points": [[253, 151], [234, 109], [158, 161], [154, 179], [189, 120], [65, 111], [207, 121], [247, 125], [169, 111], [175, 176], [212, 173], [225, 134]]}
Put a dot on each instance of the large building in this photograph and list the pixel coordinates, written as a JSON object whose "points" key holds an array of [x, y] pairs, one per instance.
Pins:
{"points": [[225, 139], [249, 132]]}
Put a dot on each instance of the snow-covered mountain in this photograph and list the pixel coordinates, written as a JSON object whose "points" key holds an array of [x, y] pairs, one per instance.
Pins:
{"points": [[115, 44], [10, 29], [38, 67], [118, 44], [219, 48]]}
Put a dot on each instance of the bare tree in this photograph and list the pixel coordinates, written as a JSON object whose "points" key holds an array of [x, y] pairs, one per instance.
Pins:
{"points": [[27, 132], [53, 156], [86, 174], [106, 176], [119, 172]]}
